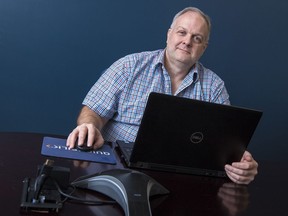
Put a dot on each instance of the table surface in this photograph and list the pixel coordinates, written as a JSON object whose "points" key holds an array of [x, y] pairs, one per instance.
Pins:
{"points": [[189, 195]]}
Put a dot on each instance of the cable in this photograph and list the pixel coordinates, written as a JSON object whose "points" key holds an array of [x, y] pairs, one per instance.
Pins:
{"points": [[80, 200], [44, 173]]}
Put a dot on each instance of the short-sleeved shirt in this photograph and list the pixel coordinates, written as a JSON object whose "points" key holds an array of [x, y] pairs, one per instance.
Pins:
{"points": [[121, 93]]}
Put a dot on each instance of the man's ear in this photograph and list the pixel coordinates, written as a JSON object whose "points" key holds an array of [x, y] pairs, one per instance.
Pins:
{"points": [[205, 46], [168, 34]]}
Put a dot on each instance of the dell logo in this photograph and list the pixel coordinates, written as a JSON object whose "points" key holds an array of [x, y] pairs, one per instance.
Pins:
{"points": [[196, 137]]}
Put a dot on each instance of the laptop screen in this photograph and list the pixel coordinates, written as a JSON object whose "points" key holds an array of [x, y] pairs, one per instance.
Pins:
{"points": [[183, 133]]}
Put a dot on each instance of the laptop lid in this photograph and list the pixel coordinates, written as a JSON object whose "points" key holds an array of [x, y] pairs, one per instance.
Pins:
{"points": [[190, 136]]}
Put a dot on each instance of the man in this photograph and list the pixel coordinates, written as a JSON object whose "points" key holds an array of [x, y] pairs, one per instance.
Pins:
{"points": [[114, 106]]}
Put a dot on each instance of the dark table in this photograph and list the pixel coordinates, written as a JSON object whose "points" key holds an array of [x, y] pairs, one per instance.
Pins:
{"points": [[190, 195]]}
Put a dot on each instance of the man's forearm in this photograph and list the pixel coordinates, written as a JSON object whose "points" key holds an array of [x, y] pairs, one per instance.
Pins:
{"points": [[88, 116]]}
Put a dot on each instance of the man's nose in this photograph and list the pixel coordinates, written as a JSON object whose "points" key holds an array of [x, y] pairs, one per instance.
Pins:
{"points": [[187, 41]]}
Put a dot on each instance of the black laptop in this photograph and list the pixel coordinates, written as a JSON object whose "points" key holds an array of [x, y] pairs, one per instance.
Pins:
{"points": [[183, 135]]}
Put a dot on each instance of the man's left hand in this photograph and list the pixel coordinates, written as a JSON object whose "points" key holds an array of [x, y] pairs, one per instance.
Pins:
{"points": [[242, 172]]}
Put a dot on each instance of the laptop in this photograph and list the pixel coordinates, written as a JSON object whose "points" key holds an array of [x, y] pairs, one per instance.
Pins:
{"points": [[189, 136]]}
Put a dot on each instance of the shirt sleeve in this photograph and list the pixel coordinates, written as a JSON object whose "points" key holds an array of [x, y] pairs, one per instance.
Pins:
{"points": [[103, 97], [219, 92], [212, 87]]}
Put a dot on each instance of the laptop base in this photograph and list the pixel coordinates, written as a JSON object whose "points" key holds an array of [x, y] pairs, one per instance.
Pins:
{"points": [[125, 149]]}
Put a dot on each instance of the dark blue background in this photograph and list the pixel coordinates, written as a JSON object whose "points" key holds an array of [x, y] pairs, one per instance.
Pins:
{"points": [[52, 51]]}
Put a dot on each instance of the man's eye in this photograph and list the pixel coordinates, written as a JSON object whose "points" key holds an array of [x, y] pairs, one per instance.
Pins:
{"points": [[197, 39], [181, 32]]}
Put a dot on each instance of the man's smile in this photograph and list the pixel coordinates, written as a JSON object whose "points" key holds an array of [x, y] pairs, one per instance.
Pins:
{"points": [[184, 50]]}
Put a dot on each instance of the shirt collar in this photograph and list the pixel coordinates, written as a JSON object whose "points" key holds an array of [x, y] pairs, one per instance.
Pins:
{"points": [[161, 55], [193, 73]]}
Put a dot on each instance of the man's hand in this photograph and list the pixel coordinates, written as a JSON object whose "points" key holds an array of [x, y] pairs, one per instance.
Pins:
{"points": [[235, 197], [243, 172], [83, 131]]}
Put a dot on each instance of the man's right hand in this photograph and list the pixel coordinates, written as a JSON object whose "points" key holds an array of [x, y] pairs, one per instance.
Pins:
{"points": [[83, 131]]}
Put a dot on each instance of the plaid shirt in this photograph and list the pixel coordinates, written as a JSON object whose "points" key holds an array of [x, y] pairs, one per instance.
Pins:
{"points": [[121, 93]]}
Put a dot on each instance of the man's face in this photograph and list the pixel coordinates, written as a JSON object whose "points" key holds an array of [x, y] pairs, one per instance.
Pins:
{"points": [[186, 39]]}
